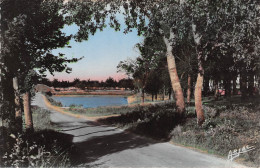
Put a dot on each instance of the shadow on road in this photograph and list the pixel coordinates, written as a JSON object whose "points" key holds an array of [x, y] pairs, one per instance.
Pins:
{"points": [[95, 132], [94, 148]]}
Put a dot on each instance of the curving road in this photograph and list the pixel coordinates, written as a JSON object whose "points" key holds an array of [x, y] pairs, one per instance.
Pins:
{"points": [[104, 146]]}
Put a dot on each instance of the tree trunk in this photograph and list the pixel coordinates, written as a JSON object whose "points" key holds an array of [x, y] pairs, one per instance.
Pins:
{"points": [[176, 86], [227, 85], [156, 96], [142, 95], [206, 86], [251, 83], [152, 96], [216, 94], [234, 85], [199, 82], [243, 85], [170, 94], [189, 89], [27, 111], [163, 93], [18, 110], [198, 94]]}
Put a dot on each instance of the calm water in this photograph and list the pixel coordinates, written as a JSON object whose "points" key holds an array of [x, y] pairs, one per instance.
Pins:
{"points": [[92, 101]]}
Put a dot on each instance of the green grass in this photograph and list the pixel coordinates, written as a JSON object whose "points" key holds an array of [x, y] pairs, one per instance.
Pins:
{"points": [[101, 111]]}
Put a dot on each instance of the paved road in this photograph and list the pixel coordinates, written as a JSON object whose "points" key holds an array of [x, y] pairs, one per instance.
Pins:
{"points": [[103, 146]]}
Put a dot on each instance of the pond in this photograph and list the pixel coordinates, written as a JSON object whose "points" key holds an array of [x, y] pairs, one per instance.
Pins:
{"points": [[91, 101]]}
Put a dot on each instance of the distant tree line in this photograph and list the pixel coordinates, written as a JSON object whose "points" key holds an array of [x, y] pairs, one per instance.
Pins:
{"points": [[90, 84]]}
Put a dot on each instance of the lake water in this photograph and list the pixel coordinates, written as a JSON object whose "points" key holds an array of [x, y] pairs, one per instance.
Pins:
{"points": [[91, 101]]}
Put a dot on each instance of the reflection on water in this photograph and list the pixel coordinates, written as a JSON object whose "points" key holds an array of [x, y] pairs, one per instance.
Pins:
{"points": [[92, 101]]}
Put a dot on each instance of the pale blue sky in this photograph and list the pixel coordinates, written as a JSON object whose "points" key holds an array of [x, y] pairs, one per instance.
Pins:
{"points": [[102, 53]]}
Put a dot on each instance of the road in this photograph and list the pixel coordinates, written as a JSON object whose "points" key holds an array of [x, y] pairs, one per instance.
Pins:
{"points": [[105, 146]]}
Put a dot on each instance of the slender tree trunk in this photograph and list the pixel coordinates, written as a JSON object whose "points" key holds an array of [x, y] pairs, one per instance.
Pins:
{"points": [[234, 85], [176, 86], [142, 92], [18, 110], [243, 85], [170, 94], [216, 94], [206, 86], [27, 111], [189, 89], [227, 85], [163, 93], [251, 83], [198, 93], [199, 82]]}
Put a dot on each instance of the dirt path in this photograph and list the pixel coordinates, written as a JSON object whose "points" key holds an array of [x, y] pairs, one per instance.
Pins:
{"points": [[103, 146]]}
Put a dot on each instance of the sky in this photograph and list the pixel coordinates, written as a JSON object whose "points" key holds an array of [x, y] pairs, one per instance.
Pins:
{"points": [[102, 53]]}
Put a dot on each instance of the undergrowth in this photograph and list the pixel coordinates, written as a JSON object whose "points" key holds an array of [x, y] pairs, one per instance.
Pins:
{"points": [[155, 121], [44, 147], [225, 128]]}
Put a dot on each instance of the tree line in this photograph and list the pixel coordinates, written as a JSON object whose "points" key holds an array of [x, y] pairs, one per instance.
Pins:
{"points": [[90, 84]]}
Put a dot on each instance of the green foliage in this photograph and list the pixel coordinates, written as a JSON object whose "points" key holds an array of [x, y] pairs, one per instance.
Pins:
{"points": [[155, 121]]}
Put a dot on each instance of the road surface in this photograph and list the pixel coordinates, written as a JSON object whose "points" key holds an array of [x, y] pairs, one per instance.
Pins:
{"points": [[104, 146]]}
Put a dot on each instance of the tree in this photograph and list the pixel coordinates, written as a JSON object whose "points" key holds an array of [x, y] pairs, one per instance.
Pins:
{"points": [[110, 82], [126, 83], [29, 45], [153, 84]]}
